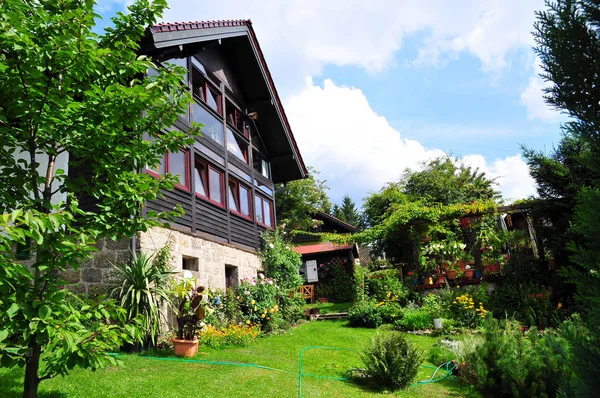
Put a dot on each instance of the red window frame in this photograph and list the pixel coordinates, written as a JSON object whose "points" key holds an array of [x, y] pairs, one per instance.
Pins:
{"points": [[262, 207], [237, 117], [167, 165], [206, 172], [237, 198], [204, 87]]}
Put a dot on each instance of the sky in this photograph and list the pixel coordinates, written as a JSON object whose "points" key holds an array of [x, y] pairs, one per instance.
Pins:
{"points": [[374, 87]]}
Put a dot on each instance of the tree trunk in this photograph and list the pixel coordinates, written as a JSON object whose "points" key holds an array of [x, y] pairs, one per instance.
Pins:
{"points": [[32, 381]]}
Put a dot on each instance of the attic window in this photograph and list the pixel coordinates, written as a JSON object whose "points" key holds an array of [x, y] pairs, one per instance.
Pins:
{"points": [[206, 92]]}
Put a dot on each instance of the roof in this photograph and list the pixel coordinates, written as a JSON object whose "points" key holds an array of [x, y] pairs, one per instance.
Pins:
{"points": [[344, 225], [169, 34], [324, 247]]}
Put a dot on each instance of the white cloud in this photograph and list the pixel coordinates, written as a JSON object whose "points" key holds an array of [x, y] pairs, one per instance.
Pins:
{"points": [[533, 98], [511, 174], [300, 37], [358, 151]]}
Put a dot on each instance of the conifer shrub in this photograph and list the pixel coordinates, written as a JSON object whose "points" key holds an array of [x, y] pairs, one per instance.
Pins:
{"points": [[512, 361], [391, 361]]}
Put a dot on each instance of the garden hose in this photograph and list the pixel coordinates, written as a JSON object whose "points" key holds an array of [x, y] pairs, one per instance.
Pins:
{"points": [[449, 366]]}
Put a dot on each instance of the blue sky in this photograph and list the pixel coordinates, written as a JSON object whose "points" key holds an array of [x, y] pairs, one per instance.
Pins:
{"points": [[374, 87]]}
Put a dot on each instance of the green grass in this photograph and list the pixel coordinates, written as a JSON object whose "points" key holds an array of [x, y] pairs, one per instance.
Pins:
{"points": [[329, 308], [147, 377]]}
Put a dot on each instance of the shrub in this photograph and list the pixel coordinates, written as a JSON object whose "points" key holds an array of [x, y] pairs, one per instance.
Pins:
{"points": [[337, 280], [466, 312], [236, 335], [282, 264], [525, 301], [365, 314], [391, 361], [258, 302], [439, 354], [390, 311], [432, 303], [415, 319], [386, 286], [518, 363]]}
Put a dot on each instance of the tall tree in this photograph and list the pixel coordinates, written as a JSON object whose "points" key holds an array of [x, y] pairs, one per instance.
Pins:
{"points": [[348, 213], [568, 44], [446, 180], [441, 181], [67, 91], [297, 201]]}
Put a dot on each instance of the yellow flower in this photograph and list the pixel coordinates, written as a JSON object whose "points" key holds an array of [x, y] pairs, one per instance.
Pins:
{"points": [[247, 322], [253, 302], [271, 310], [262, 316], [255, 308], [559, 306]]}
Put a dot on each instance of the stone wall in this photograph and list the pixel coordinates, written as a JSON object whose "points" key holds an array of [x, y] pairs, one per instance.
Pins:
{"points": [[211, 258], [95, 276]]}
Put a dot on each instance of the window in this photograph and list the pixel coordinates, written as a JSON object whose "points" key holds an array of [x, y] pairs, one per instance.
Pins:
{"points": [[176, 163], [239, 199], [205, 91], [264, 211], [261, 165], [237, 146], [236, 118], [209, 182], [231, 276], [212, 126], [190, 263]]}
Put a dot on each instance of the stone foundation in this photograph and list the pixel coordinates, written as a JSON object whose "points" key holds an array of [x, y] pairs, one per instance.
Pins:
{"points": [[97, 276], [206, 260]]}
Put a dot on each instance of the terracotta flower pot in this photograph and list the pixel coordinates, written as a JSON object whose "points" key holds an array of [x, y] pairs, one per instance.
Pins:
{"points": [[440, 279], [469, 273], [462, 265], [451, 274], [428, 281], [493, 267], [185, 348]]}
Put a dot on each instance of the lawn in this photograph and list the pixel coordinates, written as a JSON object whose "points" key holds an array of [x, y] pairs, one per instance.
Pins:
{"points": [[164, 377], [330, 308]]}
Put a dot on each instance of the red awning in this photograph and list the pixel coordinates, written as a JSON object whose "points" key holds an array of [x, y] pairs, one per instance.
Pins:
{"points": [[322, 248]]}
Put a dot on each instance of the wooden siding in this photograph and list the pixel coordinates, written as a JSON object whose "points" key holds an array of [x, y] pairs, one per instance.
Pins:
{"points": [[242, 231], [172, 199], [211, 219]]}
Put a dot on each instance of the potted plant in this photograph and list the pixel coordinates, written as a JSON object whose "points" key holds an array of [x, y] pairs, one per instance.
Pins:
{"points": [[469, 271], [189, 312]]}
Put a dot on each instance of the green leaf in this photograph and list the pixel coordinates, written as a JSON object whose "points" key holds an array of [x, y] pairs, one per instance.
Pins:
{"points": [[44, 312], [12, 311], [3, 334]]}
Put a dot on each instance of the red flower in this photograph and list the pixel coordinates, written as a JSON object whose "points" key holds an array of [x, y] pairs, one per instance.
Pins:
{"points": [[427, 239], [409, 273]]}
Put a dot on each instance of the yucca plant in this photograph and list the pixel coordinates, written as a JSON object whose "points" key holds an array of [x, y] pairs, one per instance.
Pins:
{"points": [[145, 285]]}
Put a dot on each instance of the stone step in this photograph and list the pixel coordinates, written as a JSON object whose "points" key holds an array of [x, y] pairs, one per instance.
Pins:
{"points": [[335, 315]]}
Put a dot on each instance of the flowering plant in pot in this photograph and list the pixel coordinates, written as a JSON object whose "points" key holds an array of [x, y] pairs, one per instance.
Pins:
{"points": [[189, 312]]}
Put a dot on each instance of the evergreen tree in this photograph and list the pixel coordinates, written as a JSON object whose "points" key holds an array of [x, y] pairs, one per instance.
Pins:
{"points": [[348, 213], [336, 211], [568, 44]]}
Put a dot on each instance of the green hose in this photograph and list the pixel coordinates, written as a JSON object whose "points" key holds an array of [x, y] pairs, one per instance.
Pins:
{"points": [[449, 366]]}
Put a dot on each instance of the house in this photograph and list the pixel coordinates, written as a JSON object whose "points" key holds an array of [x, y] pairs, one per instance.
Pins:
{"points": [[318, 256], [227, 177]]}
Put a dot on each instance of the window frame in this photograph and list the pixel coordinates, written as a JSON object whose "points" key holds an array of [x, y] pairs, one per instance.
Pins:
{"points": [[237, 198], [272, 216], [206, 85], [167, 166], [207, 167], [244, 148]]}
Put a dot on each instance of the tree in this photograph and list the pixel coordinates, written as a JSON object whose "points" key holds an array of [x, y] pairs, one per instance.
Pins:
{"points": [[447, 180], [568, 44], [66, 91], [348, 213], [441, 182], [297, 201]]}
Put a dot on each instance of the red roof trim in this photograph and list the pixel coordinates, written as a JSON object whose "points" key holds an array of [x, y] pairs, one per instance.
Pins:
{"points": [[176, 26], [322, 248]]}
